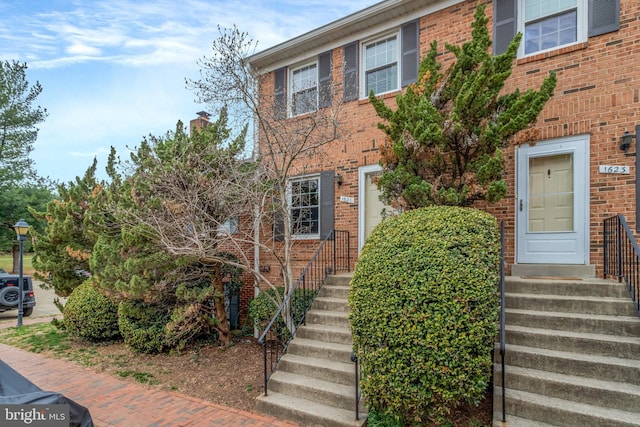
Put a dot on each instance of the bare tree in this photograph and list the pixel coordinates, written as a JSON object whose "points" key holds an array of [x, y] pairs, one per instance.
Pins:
{"points": [[287, 140]]}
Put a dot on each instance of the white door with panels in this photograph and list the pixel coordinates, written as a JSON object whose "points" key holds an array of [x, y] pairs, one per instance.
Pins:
{"points": [[552, 207]]}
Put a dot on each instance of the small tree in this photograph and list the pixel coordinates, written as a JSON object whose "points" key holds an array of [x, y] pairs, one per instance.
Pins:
{"points": [[445, 139]]}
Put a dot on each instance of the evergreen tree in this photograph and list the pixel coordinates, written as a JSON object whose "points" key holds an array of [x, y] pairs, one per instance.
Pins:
{"points": [[445, 140], [18, 120], [62, 251]]}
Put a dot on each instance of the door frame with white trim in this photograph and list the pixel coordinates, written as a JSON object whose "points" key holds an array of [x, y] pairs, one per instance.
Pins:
{"points": [[555, 247], [363, 174]]}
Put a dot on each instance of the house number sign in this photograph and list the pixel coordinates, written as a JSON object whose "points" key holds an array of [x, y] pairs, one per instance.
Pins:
{"points": [[624, 170]]}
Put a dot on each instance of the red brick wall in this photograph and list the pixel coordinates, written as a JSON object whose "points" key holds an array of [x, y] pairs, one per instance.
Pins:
{"points": [[598, 93]]}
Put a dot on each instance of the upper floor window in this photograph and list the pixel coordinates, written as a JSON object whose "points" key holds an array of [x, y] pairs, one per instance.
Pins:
{"points": [[304, 89], [381, 65], [551, 24]]}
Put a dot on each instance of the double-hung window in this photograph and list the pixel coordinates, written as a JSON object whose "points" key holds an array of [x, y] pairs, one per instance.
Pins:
{"points": [[304, 89], [549, 24], [552, 24], [305, 206], [381, 65]]}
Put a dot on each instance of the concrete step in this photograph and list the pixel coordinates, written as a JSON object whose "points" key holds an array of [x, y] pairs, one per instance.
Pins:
{"points": [[329, 318], [313, 389], [590, 366], [615, 395], [584, 287], [330, 304], [321, 350], [323, 369], [306, 412], [325, 333], [513, 421], [579, 342], [556, 271], [571, 304], [334, 291], [342, 279], [628, 326], [560, 412]]}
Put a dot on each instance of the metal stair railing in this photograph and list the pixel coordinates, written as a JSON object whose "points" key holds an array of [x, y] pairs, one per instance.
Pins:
{"points": [[622, 256], [331, 257]]}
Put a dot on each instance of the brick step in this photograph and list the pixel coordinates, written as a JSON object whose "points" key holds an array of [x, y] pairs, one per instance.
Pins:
{"points": [[306, 412], [579, 342], [559, 412]]}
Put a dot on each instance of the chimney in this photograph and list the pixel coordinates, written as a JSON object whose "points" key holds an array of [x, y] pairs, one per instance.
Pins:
{"points": [[200, 122]]}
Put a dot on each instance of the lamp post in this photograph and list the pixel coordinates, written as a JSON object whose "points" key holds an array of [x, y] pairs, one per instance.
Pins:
{"points": [[22, 228]]}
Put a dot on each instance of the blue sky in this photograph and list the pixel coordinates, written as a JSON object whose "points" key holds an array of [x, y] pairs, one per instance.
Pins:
{"points": [[114, 71]]}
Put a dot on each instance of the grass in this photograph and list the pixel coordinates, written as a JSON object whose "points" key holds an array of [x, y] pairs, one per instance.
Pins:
{"points": [[6, 262]]}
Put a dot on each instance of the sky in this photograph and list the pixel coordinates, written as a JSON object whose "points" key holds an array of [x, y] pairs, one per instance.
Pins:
{"points": [[114, 71]]}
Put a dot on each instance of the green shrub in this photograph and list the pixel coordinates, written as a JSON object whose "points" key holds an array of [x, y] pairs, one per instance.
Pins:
{"points": [[262, 308], [143, 326], [90, 315], [424, 311]]}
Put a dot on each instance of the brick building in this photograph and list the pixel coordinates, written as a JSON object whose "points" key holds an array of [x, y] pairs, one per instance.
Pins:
{"points": [[560, 189]]}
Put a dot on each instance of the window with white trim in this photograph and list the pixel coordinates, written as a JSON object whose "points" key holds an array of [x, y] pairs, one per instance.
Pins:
{"points": [[304, 89], [380, 62], [551, 24], [304, 202]]}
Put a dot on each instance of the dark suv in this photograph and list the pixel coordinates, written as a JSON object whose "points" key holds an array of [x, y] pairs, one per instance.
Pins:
{"points": [[10, 293]]}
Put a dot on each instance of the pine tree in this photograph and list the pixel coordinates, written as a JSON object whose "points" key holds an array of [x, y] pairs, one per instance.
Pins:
{"points": [[445, 140]]}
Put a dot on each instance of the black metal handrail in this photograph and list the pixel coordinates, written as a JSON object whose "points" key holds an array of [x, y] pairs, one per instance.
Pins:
{"points": [[622, 256], [333, 256], [503, 332]]}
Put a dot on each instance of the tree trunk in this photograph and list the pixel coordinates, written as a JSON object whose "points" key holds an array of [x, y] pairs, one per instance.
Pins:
{"points": [[15, 251], [221, 312]]}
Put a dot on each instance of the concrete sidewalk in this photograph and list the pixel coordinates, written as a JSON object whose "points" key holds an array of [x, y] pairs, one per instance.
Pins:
{"points": [[114, 402]]}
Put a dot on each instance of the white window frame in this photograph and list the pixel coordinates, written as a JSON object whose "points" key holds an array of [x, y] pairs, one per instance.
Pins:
{"points": [[298, 235], [582, 27], [292, 90], [229, 227], [363, 62]]}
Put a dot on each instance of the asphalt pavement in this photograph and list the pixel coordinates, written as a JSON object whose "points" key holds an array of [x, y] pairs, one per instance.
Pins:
{"points": [[44, 306]]}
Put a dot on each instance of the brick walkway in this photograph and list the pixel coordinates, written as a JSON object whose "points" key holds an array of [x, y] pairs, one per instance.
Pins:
{"points": [[114, 402]]}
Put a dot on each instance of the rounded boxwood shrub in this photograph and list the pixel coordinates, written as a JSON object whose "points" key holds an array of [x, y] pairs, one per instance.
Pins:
{"points": [[90, 315], [143, 326], [424, 311]]}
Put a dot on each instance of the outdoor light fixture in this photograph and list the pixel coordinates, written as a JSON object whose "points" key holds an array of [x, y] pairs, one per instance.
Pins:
{"points": [[338, 179], [625, 142], [22, 228]]}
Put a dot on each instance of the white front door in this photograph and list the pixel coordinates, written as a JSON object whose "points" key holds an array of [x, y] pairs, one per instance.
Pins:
{"points": [[552, 204], [370, 208]]}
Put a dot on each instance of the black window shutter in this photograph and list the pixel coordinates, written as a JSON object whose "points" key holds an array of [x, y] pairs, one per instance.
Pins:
{"points": [[326, 203], [324, 80], [350, 80], [604, 16], [505, 26], [280, 93], [410, 43]]}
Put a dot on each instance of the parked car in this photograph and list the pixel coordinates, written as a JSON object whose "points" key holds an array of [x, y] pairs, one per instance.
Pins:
{"points": [[10, 293]]}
